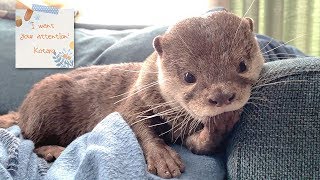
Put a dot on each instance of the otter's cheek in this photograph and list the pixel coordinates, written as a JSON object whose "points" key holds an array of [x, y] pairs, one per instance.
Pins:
{"points": [[201, 110], [241, 101], [192, 107]]}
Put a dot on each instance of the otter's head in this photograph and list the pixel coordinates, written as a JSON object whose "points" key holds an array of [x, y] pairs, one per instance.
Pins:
{"points": [[208, 64]]}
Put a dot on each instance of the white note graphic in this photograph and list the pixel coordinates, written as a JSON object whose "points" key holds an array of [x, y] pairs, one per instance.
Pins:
{"points": [[44, 37]]}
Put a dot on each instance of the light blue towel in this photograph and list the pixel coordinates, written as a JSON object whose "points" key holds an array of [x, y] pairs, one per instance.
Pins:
{"points": [[17, 158], [110, 151]]}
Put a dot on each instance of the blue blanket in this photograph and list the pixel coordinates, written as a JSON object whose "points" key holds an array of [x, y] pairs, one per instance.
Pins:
{"points": [[109, 151]]}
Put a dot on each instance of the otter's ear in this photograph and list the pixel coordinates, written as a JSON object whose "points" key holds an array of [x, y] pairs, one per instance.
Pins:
{"points": [[222, 9], [250, 21], [157, 44]]}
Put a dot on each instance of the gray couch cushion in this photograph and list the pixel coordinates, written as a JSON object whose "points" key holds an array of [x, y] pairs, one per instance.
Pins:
{"points": [[278, 136]]}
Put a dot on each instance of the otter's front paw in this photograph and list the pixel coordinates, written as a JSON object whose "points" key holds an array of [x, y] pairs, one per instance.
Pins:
{"points": [[209, 140], [201, 143], [9, 119], [163, 161], [49, 153]]}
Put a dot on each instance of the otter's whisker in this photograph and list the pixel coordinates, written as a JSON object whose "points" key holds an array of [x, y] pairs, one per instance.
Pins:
{"points": [[187, 126], [134, 90], [246, 111], [173, 127], [193, 123], [260, 99], [254, 104], [242, 20], [261, 104], [166, 112], [128, 92], [182, 114], [285, 43], [263, 78], [279, 82], [154, 84], [134, 71], [266, 80], [159, 124], [253, 93], [277, 58], [156, 104], [185, 44], [155, 107], [182, 128], [267, 55], [190, 120], [266, 45], [196, 125]]}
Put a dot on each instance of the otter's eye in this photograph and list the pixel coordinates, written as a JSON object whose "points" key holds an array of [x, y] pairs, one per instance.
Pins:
{"points": [[189, 78], [242, 67]]}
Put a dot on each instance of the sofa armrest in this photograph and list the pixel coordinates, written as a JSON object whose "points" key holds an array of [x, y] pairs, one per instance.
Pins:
{"points": [[278, 136]]}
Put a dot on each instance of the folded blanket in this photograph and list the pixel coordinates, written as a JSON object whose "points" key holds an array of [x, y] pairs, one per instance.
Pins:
{"points": [[110, 151]]}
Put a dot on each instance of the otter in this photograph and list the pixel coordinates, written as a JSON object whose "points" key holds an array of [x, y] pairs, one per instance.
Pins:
{"points": [[190, 90]]}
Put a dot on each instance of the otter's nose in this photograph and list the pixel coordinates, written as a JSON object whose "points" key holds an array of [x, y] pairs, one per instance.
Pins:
{"points": [[221, 99]]}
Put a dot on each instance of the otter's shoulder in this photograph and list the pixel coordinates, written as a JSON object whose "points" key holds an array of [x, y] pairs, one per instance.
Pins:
{"points": [[103, 69]]}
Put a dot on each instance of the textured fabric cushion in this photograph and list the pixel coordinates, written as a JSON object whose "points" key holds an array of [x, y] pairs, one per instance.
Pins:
{"points": [[278, 136]]}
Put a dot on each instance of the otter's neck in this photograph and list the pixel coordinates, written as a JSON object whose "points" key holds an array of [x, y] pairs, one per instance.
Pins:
{"points": [[147, 82]]}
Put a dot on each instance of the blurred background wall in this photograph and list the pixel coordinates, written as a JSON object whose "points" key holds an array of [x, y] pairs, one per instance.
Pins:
{"points": [[297, 21]]}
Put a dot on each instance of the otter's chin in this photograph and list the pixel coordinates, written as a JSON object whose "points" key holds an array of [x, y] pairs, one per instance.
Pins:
{"points": [[216, 111], [212, 114]]}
